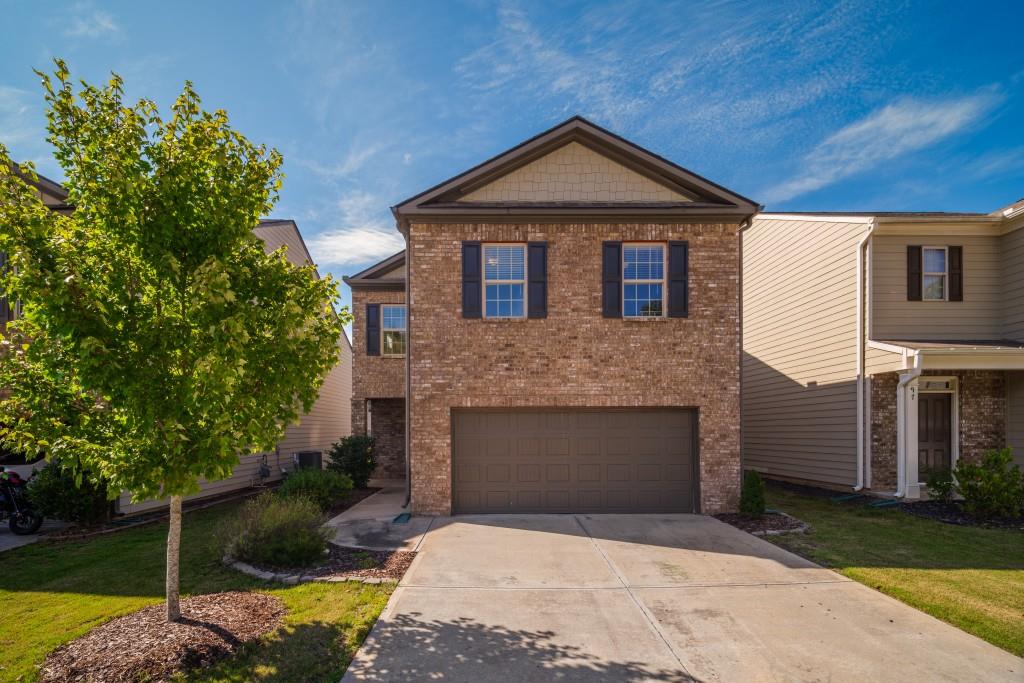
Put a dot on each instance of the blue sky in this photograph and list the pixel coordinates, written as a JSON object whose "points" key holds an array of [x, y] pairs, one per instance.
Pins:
{"points": [[798, 105]]}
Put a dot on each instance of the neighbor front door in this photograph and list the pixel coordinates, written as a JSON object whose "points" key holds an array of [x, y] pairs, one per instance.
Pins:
{"points": [[934, 433]]}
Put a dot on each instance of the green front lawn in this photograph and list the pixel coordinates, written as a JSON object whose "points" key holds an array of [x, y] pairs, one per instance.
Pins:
{"points": [[972, 578], [51, 594]]}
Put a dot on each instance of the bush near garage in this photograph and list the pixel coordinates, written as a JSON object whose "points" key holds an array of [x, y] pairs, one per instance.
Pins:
{"points": [[355, 456], [55, 494], [324, 487], [276, 531], [752, 495]]}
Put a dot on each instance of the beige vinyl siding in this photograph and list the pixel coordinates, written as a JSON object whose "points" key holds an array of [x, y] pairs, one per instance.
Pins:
{"points": [[1015, 415], [878, 360], [327, 421], [799, 349], [979, 316], [1012, 249]]}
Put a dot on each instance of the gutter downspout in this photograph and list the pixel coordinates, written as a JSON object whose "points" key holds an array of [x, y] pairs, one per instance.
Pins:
{"points": [[408, 355], [861, 325], [901, 426], [744, 225]]}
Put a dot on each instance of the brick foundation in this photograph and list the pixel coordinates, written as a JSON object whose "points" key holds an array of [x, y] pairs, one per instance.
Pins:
{"points": [[574, 357], [982, 400]]}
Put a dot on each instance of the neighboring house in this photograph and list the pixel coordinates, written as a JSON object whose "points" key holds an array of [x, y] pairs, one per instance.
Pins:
{"points": [[572, 333], [378, 387], [880, 347], [327, 421]]}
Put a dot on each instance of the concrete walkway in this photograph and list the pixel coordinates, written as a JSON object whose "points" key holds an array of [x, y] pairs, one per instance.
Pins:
{"points": [[648, 597], [370, 522], [10, 541]]}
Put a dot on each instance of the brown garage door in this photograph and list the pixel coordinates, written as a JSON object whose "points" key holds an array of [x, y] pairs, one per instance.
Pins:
{"points": [[574, 460]]}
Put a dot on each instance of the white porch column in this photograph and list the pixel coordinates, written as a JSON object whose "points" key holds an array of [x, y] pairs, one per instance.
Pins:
{"points": [[906, 455]]}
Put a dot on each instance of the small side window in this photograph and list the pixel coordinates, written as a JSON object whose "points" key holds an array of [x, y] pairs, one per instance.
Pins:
{"points": [[643, 280], [504, 280], [935, 274], [392, 330]]}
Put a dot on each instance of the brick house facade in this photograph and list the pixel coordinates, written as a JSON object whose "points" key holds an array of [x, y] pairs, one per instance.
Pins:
{"points": [[670, 381]]}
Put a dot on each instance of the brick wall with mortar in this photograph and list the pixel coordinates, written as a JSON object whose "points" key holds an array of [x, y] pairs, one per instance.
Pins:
{"points": [[982, 399], [574, 357], [377, 377]]}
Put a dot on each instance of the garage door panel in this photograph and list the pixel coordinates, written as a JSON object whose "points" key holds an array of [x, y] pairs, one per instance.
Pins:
{"points": [[573, 460]]}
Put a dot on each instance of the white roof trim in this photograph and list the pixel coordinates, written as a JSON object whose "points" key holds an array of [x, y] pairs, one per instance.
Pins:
{"points": [[863, 220]]}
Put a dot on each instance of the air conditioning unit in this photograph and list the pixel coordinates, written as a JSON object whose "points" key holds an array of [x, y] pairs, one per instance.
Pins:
{"points": [[309, 460]]}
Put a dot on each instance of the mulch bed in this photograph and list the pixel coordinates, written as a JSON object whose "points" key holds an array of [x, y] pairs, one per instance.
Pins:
{"points": [[355, 563], [767, 524], [953, 513], [144, 646]]}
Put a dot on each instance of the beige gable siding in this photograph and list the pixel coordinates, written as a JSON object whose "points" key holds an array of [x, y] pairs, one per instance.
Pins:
{"points": [[573, 173], [1012, 249], [978, 316], [799, 349], [327, 421]]}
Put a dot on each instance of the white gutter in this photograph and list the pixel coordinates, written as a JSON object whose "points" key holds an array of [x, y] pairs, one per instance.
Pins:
{"points": [[902, 429], [861, 277]]}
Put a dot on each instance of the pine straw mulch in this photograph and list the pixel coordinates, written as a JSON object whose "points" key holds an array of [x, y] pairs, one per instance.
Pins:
{"points": [[144, 646], [953, 513], [768, 524]]}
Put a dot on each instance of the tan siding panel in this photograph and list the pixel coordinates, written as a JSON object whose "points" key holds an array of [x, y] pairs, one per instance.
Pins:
{"points": [[799, 343], [1012, 249], [978, 316]]}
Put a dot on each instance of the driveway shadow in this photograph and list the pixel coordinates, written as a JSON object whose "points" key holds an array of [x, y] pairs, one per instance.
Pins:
{"points": [[409, 647]]}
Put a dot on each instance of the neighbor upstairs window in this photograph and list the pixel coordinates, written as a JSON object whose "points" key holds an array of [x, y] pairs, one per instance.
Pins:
{"points": [[393, 330], [504, 280], [643, 280], [935, 274]]}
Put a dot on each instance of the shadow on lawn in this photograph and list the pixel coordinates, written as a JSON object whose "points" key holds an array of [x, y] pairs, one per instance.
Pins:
{"points": [[409, 648], [308, 652]]}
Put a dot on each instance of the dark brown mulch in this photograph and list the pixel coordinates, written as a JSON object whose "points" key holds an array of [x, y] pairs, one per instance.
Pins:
{"points": [[357, 563], [350, 499], [769, 521], [144, 646], [953, 513]]}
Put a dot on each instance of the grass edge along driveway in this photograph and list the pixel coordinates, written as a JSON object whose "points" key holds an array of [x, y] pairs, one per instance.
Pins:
{"points": [[53, 593], [972, 578]]}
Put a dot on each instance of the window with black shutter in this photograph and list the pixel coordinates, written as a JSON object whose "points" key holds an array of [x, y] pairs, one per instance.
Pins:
{"points": [[372, 329]]}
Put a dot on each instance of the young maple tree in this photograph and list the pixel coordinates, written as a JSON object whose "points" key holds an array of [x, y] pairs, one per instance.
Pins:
{"points": [[158, 341]]}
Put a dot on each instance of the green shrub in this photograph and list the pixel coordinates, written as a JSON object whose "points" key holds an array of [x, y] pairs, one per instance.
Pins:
{"points": [[356, 457], [323, 487], [752, 495], [941, 485], [274, 531], [55, 494], [993, 487]]}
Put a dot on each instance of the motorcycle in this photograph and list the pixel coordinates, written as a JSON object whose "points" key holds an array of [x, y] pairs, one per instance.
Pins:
{"points": [[22, 518]]}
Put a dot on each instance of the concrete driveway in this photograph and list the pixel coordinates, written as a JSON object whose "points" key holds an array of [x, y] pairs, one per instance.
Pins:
{"points": [[648, 597]]}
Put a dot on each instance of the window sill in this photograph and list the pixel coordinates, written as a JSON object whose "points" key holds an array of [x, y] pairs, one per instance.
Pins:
{"points": [[391, 355], [647, 319], [505, 320]]}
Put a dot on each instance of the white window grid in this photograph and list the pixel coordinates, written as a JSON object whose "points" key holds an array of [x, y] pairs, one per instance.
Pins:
{"points": [[925, 273], [393, 318], [504, 276], [643, 281]]}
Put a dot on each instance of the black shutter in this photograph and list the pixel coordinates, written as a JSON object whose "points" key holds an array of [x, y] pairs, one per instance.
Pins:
{"points": [[537, 284], [611, 271], [956, 273], [913, 273], [678, 279], [471, 293], [372, 329]]}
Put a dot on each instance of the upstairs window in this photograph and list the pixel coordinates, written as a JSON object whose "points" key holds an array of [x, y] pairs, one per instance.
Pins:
{"points": [[504, 280], [935, 274], [643, 280], [392, 330]]}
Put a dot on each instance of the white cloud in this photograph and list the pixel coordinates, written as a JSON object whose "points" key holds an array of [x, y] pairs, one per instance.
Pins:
{"points": [[89, 22], [352, 163], [16, 112], [902, 127], [362, 234]]}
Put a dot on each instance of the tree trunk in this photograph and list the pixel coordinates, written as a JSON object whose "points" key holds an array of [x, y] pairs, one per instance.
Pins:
{"points": [[173, 551]]}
